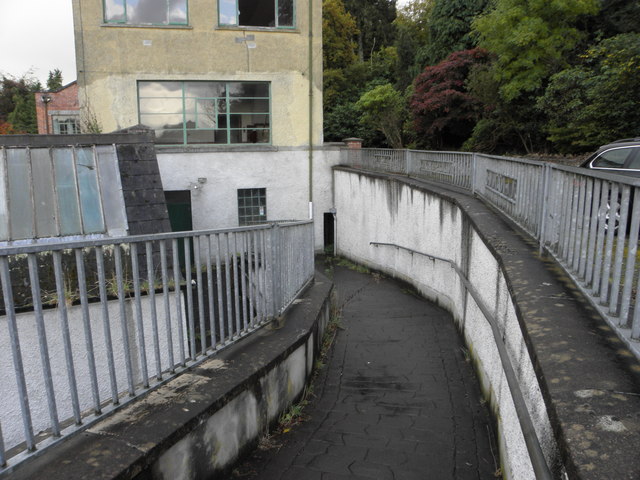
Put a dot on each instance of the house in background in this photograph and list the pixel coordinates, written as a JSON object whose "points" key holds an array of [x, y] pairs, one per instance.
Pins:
{"points": [[233, 91], [58, 112]]}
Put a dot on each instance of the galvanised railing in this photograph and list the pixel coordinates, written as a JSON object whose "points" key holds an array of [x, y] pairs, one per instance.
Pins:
{"points": [[88, 326], [588, 220]]}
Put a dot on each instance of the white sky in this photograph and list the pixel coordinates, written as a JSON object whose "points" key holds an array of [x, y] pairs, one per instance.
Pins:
{"points": [[37, 35]]}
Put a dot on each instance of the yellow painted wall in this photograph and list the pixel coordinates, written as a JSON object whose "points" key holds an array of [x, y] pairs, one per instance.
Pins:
{"points": [[111, 59]]}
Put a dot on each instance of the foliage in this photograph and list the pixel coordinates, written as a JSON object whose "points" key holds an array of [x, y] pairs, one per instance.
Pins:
{"points": [[339, 31], [89, 122], [54, 82], [411, 34], [443, 110], [450, 28], [383, 108], [597, 101], [12, 89], [530, 40], [6, 129], [375, 24], [615, 17], [23, 118]]}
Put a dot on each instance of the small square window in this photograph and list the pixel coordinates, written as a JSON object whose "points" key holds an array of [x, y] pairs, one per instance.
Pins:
{"points": [[252, 206]]}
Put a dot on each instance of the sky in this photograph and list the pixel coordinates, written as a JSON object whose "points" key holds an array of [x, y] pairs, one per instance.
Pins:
{"points": [[37, 35]]}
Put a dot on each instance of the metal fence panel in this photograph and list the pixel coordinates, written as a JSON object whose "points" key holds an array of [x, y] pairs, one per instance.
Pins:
{"points": [[84, 325]]}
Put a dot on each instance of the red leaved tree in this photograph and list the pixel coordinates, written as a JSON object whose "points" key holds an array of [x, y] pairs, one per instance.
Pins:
{"points": [[444, 112]]}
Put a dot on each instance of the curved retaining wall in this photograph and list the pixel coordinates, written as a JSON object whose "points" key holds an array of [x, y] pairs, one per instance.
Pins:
{"points": [[377, 208]]}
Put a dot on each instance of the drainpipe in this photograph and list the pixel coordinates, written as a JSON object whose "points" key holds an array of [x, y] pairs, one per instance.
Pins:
{"points": [[310, 70]]}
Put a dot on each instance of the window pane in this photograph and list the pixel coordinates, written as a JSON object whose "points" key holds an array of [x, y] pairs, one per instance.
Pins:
{"points": [[242, 89], [111, 190], [285, 13], [612, 158], [89, 191], [162, 121], [204, 89], [249, 105], [114, 11], [68, 207], [206, 136], [160, 89], [20, 207], [43, 194], [257, 13], [152, 12], [178, 12], [249, 135], [227, 14], [160, 105], [170, 137]]}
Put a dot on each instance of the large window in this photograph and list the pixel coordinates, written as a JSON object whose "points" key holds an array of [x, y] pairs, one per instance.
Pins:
{"points": [[252, 206], [51, 192], [146, 12], [185, 113], [256, 13]]}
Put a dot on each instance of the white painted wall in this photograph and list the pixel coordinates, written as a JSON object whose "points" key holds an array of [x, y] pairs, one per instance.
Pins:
{"points": [[284, 173], [10, 413], [382, 210]]}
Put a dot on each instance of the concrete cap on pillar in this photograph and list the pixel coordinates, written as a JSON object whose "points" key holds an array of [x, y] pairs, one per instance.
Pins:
{"points": [[353, 143]]}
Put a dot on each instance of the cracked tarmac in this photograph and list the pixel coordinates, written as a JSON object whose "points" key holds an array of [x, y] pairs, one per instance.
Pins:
{"points": [[396, 400]]}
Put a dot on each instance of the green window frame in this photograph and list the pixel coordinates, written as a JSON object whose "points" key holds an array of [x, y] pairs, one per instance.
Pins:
{"points": [[252, 206], [206, 112], [276, 14], [146, 12]]}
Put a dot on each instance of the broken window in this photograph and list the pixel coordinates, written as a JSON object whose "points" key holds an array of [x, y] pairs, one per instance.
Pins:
{"points": [[252, 206], [206, 112], [52, 192], [146, 12], [256, 13]]}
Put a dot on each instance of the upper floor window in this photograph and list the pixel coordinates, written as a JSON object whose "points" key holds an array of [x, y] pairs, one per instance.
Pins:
{"points": [[184, 113], [146, 12], [256, 13]]}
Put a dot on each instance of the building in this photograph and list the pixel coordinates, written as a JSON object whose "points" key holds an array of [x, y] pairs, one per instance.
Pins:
{"points": [[58, 112], [233, 91]]}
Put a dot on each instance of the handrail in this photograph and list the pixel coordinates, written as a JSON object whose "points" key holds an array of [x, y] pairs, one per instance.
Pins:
{"points": [[538, 460]]}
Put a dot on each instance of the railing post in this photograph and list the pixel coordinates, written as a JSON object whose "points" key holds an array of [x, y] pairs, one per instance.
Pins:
{"points": [[474, 167], [546, 177], [408, 160], [275, 270]]}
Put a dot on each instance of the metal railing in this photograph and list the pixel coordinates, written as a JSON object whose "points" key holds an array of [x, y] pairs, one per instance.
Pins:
{"points": [[588, 220], [87, 326]]}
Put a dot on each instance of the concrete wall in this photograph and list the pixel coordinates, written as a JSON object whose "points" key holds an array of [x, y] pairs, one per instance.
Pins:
{"points": [[112, 58], [377, 209], [10, 416], [283, 172]]}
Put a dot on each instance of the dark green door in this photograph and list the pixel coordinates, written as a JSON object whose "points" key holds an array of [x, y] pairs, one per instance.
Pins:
{"points": [[179, 208]]}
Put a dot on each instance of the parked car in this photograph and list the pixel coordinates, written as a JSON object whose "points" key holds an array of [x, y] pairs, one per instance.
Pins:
{"points": [[621, 157]]}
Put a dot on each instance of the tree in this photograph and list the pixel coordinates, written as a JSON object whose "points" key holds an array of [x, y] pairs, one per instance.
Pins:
{"points": [[596, 101], [383, 109], [54, 82], [375, 24], [450, 28], [17, 103], [530, 40], [444, 112], [411, 35]]}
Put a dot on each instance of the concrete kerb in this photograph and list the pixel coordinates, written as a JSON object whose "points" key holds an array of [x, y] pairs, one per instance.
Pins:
{"points": [[201, 422]]}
